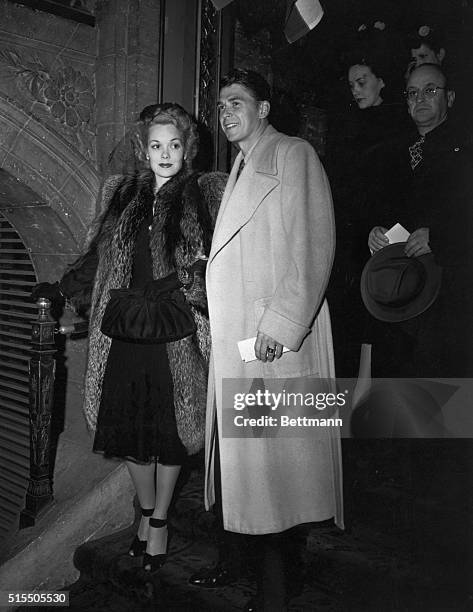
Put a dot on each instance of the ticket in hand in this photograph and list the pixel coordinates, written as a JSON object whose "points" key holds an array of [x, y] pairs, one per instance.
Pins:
{"points": [[397, 233], [247, 349]]}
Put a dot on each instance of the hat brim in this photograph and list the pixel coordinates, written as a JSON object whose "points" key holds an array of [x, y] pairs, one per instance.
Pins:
{"points": [[415, 307]]}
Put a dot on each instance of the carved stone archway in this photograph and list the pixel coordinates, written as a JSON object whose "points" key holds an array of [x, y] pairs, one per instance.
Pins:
{"points": [[38, 157]]}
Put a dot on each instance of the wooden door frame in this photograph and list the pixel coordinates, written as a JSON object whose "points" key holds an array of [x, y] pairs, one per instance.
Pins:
{"points": [[209, 52]]}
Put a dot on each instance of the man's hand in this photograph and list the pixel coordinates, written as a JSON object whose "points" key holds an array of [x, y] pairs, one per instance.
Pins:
{"points": [[266, 348], [377, 240], [418, 243]]}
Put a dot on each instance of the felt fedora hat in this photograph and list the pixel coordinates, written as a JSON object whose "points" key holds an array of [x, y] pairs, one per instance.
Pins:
{"points": [[395, 287]]}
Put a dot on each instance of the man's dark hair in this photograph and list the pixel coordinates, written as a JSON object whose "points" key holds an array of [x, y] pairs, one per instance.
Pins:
{"points": [[373, 61], [431, 40], [254, 82]]}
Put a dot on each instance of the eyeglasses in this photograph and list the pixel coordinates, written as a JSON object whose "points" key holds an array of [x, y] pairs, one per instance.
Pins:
{"points": [[428, 93]]}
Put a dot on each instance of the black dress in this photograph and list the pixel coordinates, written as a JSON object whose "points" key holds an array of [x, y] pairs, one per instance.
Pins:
{"points": [[352, 152], [136, 419]]}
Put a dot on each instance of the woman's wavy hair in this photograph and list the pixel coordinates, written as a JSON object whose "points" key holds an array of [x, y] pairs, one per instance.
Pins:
{"points": [[168, 113], [373, 61]]}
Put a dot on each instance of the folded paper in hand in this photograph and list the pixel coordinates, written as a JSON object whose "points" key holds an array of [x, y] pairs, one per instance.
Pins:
{"points": [[247, 349], [397, 234]]}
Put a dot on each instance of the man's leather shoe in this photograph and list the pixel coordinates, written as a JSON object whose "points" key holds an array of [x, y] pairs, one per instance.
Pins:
{"points": [[212, 577]]}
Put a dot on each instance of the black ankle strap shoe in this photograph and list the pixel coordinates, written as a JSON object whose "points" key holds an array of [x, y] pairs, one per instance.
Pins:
{"points": [[138, 547]]}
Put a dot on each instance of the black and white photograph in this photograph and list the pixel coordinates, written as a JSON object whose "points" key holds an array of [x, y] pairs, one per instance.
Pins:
{"points": [[236, 305]]}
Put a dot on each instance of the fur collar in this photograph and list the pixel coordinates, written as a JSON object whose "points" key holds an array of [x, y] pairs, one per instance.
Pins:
{"points": [[181, 224]]}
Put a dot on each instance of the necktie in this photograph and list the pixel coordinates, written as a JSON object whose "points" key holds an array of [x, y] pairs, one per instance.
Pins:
{"points": [[240, 168], [415, 151]]}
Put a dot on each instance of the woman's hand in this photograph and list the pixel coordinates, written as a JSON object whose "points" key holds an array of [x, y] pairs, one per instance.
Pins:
{"points": [[266, 348], [198, 267], [51, 291], [194, 289], [377, 240], [418, 243]]}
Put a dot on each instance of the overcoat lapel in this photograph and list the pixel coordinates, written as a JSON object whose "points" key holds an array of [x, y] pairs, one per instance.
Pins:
{"points": [[228, 190], [241, 198]]}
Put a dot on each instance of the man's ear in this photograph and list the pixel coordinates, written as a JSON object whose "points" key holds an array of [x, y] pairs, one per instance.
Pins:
{"points": [[450, 98], [264, 108], [441, 54]]}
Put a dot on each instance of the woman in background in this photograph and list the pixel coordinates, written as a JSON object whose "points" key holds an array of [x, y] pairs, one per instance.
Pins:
{"points": [[353, 156], [354, 140]]}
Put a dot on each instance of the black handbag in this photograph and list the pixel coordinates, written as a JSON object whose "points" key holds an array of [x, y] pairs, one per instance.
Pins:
{"points": [[154, 314]]}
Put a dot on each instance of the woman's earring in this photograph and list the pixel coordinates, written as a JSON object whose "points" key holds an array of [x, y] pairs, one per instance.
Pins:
{"points": [[147, 156]]}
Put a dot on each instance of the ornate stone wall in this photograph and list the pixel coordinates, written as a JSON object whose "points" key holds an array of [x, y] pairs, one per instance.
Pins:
{"points": [[43, 160], [47, 110], [68, 94], [47, 66], [128, 68]]}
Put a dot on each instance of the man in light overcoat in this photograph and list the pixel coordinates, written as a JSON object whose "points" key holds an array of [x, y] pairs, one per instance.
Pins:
{"points": [[268, 269]]}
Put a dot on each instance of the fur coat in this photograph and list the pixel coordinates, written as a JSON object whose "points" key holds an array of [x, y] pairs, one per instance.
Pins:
{"points": [[181, 230]]}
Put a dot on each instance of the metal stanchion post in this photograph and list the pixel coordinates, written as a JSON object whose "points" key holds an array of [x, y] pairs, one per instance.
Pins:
{"points": [[42, 370]]}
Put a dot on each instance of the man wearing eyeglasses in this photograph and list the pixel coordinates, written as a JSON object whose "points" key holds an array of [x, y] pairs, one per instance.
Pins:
{"points": [[427, 186], [428, 97], [429, 190]]}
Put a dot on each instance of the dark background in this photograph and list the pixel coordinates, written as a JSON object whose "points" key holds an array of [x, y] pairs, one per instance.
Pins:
{"points": [[309, 76]]}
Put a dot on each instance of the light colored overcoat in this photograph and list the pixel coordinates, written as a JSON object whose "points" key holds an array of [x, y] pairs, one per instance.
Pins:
{"points": [[268, 268]]}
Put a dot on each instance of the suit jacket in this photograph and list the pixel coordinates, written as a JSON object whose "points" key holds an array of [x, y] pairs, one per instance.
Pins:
{"points": [[437, 194], [268, 269]]}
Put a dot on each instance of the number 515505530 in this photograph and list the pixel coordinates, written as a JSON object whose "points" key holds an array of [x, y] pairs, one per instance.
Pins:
{"points": [[36, 598]]}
